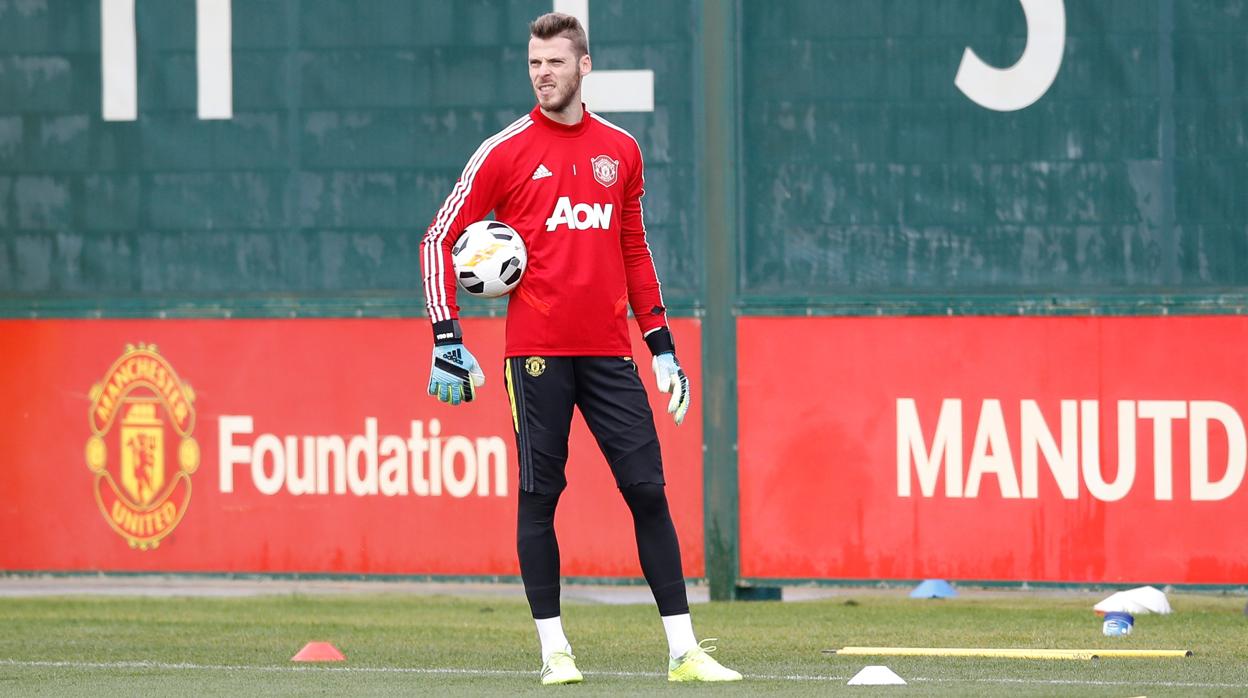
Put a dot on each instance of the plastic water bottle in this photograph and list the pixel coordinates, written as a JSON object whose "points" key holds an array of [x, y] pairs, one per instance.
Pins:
{"points": [[1117, 624]]}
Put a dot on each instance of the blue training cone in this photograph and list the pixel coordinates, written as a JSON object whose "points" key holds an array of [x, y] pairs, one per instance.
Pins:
{"points": [[933, 589]]}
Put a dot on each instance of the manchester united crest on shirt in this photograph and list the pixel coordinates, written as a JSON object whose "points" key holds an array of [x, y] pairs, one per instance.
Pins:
{"points": [[606, 170]]}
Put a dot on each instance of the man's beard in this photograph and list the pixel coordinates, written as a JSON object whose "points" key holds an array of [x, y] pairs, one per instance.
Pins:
{"points": [[562, 99]]}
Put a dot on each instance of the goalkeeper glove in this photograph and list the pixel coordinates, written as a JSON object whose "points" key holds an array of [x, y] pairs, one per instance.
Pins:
{"points": [[455, 374], [672, 379], [668, 373]]}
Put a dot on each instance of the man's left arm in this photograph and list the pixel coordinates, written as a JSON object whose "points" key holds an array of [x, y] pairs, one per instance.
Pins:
{"points": [[646, 297]]}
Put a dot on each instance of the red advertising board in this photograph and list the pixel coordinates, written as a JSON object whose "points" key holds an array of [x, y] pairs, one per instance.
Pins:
{"points": [[1041, 449], [292, 446]]}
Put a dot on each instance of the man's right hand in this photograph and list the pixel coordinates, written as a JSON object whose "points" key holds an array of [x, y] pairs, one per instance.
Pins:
{"points": [[455, 374]]}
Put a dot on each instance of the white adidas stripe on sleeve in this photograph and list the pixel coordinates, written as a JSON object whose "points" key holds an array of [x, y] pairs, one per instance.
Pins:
{"points": [[434, 261]]}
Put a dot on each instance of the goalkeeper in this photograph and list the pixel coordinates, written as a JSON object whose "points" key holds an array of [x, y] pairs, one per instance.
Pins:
{"points": [[570, 183]]}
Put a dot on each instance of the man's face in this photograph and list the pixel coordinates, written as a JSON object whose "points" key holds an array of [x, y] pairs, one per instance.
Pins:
{"points": [[555, 72]]}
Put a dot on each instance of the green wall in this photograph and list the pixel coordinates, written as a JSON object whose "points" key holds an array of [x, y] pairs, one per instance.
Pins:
{"points": [[863, 171], [352, 121], [867, 170]]}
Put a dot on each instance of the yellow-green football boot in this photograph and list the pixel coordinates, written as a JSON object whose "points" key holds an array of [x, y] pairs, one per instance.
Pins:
{"points": [[560, 668], [698, 665]]}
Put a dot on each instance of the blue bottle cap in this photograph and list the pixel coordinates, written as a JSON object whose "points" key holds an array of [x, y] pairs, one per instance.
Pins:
{"points": [[1117, 623]]}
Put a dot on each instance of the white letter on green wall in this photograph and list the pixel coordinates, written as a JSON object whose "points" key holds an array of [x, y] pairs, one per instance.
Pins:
{"points": [[1020, 85]]}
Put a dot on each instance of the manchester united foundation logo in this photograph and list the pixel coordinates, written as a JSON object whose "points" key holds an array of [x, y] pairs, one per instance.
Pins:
{"points": [[140, 450]]}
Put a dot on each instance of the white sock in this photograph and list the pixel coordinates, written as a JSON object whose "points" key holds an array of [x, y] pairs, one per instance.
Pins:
{"points": [[550, 632], [679, 631]]}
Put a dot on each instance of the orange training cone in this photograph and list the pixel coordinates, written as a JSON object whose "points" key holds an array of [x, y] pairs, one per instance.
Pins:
{"points": [[318, 652]]}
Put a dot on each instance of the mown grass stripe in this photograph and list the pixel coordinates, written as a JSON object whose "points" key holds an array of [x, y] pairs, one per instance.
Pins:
{"points": [[164, 666], [449, 671]]}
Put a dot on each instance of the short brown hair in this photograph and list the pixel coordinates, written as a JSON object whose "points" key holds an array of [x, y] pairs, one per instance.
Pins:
{"points": [[553, 24]]}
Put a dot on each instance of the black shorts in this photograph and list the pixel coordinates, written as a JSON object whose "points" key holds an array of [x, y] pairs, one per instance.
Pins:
{"points": [[612, 399]]}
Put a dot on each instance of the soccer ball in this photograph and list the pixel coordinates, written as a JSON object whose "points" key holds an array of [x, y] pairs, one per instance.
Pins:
{"points": [[489, 259]]}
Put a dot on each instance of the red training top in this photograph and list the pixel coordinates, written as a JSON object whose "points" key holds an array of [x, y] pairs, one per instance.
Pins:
{"points": [[574, 195]]}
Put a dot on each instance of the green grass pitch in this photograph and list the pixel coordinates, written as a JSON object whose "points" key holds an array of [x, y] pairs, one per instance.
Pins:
{"points": [[443, 645]]}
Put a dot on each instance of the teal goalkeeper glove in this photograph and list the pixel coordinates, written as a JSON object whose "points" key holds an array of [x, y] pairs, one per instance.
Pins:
{"points": [[455, 374], [672, 379]]}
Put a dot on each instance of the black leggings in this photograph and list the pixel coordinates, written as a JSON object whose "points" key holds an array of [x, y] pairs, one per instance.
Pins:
{"points": [[657, 548]]}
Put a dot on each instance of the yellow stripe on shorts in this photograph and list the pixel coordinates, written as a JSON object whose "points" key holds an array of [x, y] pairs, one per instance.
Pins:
{"points": [[511, 396]]}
